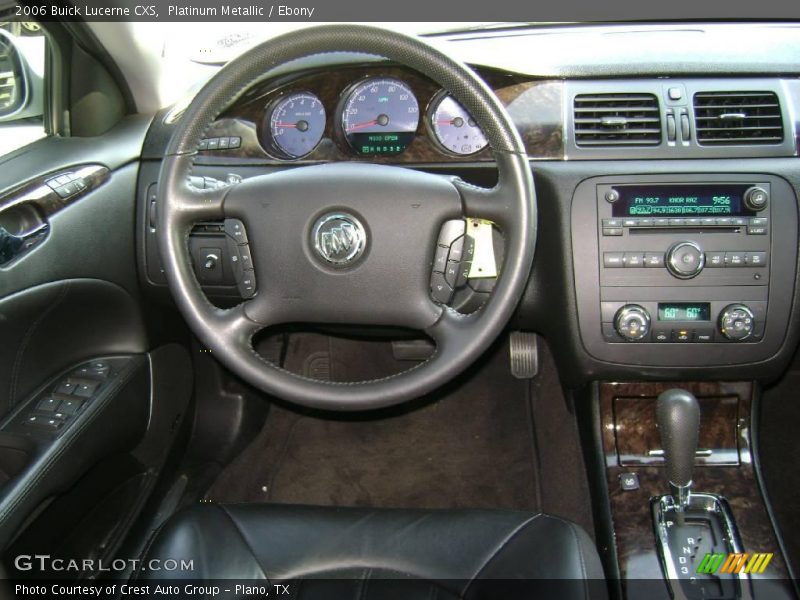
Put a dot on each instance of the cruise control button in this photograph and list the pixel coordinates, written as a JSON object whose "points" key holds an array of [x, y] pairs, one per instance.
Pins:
{"points": [[755, 259], [247, 286], [653, 259], [715, 259], [235, 229], [613, 260], [451, 272]]}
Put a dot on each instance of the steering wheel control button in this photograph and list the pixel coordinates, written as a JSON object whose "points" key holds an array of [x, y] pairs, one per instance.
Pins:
{"points": [[632, 322], [235, 229], [440, 258], [339, 239], [451, 231], [737, 322], [440, 289], [685, 260], [247, 286]]}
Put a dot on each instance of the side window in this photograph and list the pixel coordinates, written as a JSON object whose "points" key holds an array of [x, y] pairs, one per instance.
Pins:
{"points": [[22, 59]]}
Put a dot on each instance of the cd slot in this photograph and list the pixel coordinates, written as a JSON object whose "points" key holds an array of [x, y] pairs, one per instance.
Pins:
{"points": [[689, 230]]}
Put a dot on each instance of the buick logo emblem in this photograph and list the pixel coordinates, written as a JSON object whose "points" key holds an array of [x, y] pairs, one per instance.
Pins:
{"points": [[339, 239]]}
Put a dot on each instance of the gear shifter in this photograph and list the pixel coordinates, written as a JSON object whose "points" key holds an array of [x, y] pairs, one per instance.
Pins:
{"points": [[678, 417]]}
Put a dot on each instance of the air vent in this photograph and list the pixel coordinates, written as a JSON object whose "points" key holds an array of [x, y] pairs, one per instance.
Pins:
{"points": [[617, 120], [738, 118]]}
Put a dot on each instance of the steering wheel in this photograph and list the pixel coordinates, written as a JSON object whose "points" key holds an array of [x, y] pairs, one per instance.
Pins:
{"points": [[391, 217]]}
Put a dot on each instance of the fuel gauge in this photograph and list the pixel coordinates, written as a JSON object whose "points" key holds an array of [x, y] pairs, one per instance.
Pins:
{"points": [[454, 128]]}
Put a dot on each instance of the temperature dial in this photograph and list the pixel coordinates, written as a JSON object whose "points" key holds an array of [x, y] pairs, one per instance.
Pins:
{"points": [[632, 322], [736, 322]]}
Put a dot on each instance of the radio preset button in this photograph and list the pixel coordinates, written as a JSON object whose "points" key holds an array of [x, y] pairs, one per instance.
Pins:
{"points": [[694, 222], [708, 221], [740, 220], [685, 260], [725, 221], [661, 222], [646, 222], [612, 230], [630, 222], [612, 222], [677, 222]]}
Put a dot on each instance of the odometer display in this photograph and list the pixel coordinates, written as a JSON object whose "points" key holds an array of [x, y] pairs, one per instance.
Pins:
{"points": [[296, 125], [380, 116]]}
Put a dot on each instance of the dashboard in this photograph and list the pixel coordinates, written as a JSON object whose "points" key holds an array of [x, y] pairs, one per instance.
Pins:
{"points": [[667, 199]]}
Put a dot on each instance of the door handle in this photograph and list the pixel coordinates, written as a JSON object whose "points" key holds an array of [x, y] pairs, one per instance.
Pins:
{"points": [[12, 245]]}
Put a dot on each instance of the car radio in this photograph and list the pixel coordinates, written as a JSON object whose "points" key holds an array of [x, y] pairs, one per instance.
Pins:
{"points": [[684, 236], [684, 269]]}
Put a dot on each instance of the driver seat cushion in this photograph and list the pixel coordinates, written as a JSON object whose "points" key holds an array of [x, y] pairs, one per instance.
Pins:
{"points": [[380, 553]]}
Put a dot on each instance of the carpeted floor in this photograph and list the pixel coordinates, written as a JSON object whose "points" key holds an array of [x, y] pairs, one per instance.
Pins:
{"points": [[470, 445]]}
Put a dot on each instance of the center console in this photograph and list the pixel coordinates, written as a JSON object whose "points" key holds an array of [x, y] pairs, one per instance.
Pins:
{"points": [[695, 270]]}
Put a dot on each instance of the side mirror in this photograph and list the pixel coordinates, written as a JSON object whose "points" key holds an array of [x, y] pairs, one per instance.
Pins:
{"points": [[20, 86]]}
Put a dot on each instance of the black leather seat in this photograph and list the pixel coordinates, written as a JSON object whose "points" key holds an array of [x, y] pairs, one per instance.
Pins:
{"points": [[388, 553]]}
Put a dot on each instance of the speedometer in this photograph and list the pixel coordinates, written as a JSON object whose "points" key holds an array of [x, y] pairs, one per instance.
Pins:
{"points": [[380, 116]]}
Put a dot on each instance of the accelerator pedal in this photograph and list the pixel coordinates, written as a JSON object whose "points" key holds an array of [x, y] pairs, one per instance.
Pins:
{"points": [[523, 351]]}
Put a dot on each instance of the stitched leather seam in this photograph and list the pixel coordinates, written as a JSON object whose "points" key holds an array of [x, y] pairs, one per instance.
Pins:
{"points": [[244, 539], [26, 340], [69, 439], [498, 550]]}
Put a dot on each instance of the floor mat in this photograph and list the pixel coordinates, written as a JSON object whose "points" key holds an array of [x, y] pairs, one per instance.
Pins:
{"points": [[469, 445]]}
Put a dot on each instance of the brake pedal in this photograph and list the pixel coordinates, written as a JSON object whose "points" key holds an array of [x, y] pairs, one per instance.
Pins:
{"points": [[523, 352]]}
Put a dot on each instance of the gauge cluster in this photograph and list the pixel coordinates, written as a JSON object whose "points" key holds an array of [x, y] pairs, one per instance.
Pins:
{"points": [[385, 114]]}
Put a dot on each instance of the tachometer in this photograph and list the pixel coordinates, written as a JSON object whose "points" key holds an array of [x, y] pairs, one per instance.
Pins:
{"points": [[454, 127], [296, 125], [380, 116]]}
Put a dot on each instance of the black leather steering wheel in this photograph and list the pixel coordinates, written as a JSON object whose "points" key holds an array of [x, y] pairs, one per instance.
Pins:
{"points": [[401, 211]]}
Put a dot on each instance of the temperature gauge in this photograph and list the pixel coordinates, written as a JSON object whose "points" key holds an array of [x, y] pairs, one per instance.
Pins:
{"points": [[296, 125], [454, 128]]}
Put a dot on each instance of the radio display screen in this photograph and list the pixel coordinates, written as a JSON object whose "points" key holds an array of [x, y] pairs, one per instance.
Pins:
{"points": [[681, 200], [684, 311]]}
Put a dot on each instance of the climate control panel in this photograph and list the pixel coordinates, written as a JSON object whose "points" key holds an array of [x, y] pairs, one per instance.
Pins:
{"points": [[683, 322]]}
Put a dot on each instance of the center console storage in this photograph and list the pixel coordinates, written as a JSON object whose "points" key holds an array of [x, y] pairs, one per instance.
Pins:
{"points": [[696, 270]]}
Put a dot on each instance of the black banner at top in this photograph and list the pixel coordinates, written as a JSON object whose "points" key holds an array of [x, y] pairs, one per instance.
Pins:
{"points": [[484, 11]]}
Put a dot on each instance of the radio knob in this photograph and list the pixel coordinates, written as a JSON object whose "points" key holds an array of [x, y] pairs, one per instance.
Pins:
{"points": [[632, 322], [685, 260], [736, 322], [756, 198]]}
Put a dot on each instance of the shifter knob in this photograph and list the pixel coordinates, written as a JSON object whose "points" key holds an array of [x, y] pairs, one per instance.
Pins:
{"points": [[678, 418]]}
